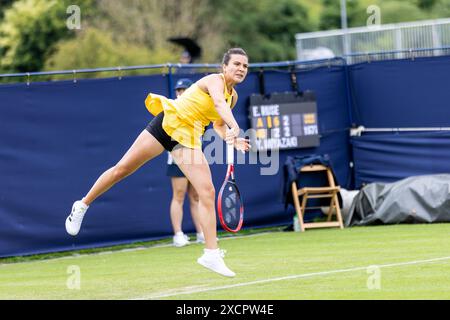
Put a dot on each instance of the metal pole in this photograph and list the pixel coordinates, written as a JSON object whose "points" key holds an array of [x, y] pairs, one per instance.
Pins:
{"points": [[398, 43], [436, 39], [344, 27], [343, 14], [170, 80]]}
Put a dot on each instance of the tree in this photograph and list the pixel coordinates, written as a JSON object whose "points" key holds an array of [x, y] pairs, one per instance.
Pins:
{"points": [[331, 14], [27, 32], [4, 4], [265, 29], [151, 22], [426, 4], [441, 9], [30, 30], [94, 48], [400, 11]]}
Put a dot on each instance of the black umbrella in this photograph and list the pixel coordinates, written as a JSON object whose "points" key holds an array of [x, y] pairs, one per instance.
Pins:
{"points": [[189, 45]]}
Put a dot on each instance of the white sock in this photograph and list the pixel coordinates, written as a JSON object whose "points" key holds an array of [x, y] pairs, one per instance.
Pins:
{"points": [[200, 235], [211, 251], [82, 201], [179, 233]]}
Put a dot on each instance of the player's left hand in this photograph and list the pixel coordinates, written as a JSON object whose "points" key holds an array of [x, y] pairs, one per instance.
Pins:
{"points": [[242, 144]]}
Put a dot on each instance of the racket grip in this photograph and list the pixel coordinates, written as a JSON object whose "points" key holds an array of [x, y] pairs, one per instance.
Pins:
{"points": [[230, 151]]}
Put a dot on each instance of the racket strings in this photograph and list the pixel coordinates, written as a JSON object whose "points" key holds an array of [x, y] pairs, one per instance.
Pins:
{"points": [[231, 206]]}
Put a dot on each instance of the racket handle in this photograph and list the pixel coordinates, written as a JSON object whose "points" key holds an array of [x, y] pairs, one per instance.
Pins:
{"points": [[230, 151]]}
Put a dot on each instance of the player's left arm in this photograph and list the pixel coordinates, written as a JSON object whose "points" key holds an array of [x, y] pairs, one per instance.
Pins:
{"points": [[219, 125], [221, 128]]}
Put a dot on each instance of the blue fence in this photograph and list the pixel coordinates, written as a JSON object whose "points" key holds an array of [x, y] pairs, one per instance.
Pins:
{"points": [[57, 137], [411, 93]]}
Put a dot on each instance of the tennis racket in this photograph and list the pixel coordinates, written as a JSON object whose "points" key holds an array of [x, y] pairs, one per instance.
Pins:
{"points": [[229, 203]]}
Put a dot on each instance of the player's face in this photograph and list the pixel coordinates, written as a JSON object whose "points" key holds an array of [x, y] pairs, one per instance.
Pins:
{"points": [[237, 68]]}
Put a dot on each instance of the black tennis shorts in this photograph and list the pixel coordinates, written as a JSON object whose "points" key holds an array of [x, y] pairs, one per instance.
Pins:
{"points": [[156, 130]]}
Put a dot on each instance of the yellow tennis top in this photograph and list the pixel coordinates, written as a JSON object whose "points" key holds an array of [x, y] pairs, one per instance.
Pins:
{"points": [[186, 117]]}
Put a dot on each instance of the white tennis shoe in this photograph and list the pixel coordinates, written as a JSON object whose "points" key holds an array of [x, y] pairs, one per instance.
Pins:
{"points": [[180, 239], [213, 260], [74, 220]]}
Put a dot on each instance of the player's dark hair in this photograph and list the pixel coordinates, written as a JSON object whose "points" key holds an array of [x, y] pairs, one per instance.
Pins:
{"points": [[227, 55]]}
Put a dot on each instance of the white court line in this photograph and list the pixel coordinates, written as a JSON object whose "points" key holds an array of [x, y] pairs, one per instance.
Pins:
{"points": [[298, 276]]}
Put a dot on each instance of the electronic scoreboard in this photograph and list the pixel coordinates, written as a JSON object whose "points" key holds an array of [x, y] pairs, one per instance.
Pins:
{"points": [[283, 121]]}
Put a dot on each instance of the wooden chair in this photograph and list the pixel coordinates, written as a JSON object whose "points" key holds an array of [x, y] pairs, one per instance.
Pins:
{"points": [[330, 191]]}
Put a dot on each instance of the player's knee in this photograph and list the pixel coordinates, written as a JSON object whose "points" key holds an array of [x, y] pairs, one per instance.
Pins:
{"points": [[120, 172], [178, 195], [207, 192]]}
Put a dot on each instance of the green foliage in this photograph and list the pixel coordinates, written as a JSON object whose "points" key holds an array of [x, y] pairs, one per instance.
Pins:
{"points": [[441, 9], [392, 11], [33, 33], [400, 11], [95, 48], [3, 5], [426, 4], [27, 33], [31, 28], [331, 14], [314, 8], [265, 29], [151, 23]]}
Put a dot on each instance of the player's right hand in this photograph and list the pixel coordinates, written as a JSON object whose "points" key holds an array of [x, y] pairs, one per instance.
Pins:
{"points": [[231, 135]]}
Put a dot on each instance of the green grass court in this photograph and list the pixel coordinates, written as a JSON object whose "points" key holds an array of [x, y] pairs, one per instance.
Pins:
{"points": [[412, 262]]}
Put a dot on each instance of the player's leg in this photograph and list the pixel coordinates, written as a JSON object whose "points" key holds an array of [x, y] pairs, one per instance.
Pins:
{"points": [[193, 205], [195, 167], [179, 188], [193, 164], [144, 148]]}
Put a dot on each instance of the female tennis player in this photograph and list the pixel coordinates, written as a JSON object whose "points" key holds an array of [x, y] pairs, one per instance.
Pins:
{"points": [[178, 127]]}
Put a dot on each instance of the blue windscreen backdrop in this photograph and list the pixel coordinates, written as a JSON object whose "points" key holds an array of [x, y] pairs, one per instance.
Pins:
{"points": [[56, 138], [410, 93], [391, 157]]}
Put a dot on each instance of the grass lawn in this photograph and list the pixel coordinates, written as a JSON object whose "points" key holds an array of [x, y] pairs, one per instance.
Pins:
{"points": [[408, 262]]}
